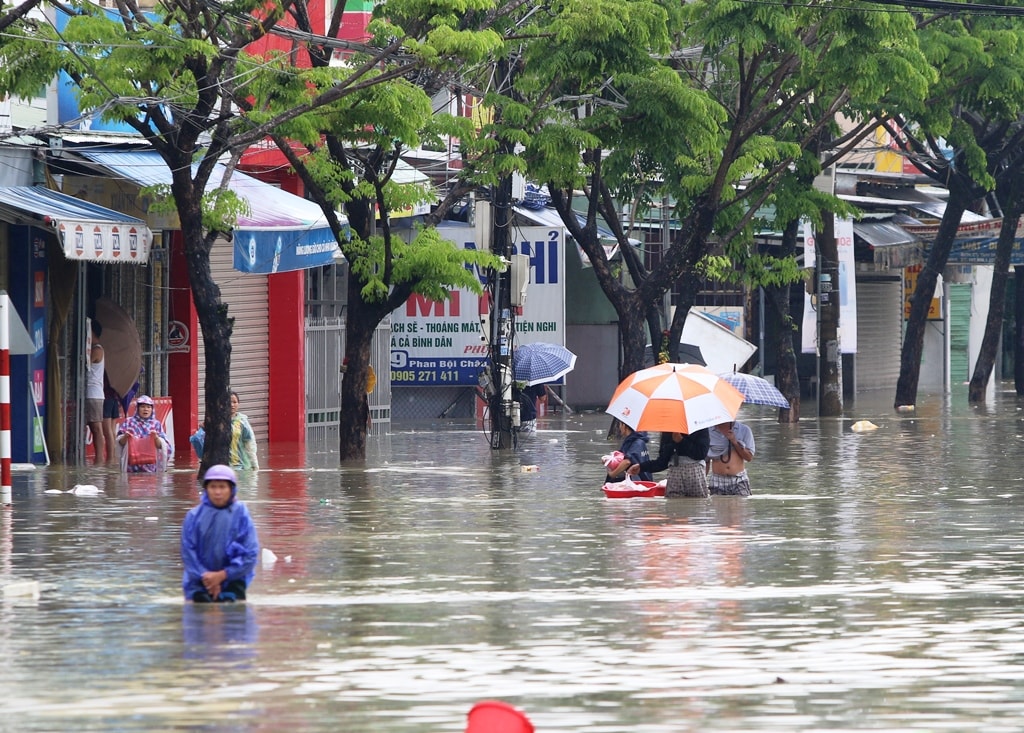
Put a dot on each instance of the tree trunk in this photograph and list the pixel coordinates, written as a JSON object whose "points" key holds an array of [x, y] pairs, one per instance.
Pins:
{"points": [[830, 357], [216, 328], [777, 313], [686, 295], [1018, 330], [360, 323], [913, 340], [633, 336], [996, 303]]}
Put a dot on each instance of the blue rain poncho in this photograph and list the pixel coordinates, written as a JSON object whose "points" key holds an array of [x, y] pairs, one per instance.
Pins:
{"points": [[218, 539]]}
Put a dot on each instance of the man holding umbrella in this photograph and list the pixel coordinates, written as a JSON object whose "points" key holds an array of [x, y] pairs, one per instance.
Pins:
{"points": [[732, 447]]}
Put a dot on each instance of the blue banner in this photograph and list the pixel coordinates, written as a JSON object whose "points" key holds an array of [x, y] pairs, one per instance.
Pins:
{"points": [[429, 371], [266, 252]]}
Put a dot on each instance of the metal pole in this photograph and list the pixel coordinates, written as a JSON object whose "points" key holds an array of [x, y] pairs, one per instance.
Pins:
{"points": [[5, 399], [501, 319], [760, 328]]}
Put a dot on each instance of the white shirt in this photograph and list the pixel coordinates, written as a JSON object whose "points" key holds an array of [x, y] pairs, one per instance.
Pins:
{"points": [[94, 377]]}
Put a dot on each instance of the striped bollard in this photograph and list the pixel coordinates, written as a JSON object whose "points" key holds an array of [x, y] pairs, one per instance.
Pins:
{"points": [[5, 399]]}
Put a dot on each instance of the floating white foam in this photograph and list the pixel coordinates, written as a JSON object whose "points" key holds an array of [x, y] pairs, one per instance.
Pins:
{"points": [[22, 589]]}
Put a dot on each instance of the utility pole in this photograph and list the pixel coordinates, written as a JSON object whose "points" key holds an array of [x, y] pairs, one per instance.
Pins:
{"points": [[830, 359], [504, 411]]}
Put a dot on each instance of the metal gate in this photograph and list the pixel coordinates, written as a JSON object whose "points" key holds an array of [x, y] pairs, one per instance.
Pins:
{"points": [[325, 348], [879, 332], [246, 296]]}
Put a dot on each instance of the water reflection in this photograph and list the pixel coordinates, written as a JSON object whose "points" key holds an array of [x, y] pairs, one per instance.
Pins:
{"points": [[872, 580], [219, 632]]}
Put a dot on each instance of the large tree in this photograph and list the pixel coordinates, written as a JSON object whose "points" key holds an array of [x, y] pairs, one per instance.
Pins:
{"points": [[1010, 193], [967, 138], [346, 153], [706, 103]]}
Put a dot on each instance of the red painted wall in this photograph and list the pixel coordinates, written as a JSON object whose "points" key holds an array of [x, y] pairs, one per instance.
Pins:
{"points": [[183, 366], [287, 344]]}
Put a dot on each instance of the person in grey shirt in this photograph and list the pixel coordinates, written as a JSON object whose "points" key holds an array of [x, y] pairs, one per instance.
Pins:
{"points": [[732, 447]]}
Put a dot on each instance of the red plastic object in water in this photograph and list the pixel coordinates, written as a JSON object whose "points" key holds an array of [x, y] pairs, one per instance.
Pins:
{"points": [[637, 488], [495, 716]]}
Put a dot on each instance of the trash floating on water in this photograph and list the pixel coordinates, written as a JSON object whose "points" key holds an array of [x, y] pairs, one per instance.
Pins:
{"points": [[530, 469], [268, 556], [905, 408], [152, 519], [862, 426], [79, 490], [22, 589]]}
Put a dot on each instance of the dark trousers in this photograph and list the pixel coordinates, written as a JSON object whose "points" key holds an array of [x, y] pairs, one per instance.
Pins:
{"points": [[229, 593]]}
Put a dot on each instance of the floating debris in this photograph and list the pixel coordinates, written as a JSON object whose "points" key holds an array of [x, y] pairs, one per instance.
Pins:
{"points": [[79, 490], [22, 589]]}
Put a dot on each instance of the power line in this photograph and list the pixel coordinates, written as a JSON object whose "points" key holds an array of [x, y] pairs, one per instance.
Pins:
{"points": [[945, 6]]}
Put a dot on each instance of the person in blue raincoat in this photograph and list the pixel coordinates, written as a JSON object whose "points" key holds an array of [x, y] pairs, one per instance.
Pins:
{"points": [[219, 546]]}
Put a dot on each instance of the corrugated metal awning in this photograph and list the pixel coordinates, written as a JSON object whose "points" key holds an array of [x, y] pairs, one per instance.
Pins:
{"points": [[883, 233], [86, 231], [891, 245], [281, 232]]}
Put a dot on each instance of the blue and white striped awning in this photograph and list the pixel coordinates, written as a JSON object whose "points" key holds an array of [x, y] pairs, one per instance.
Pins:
{"points": [[86, 231]]}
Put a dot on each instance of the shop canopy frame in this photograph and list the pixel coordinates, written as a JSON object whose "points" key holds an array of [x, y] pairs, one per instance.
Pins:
{"points": [[280, 232]]}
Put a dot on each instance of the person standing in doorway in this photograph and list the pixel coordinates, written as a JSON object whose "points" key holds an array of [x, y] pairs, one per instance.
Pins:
{"points": [[94, 396], [111, 415]]}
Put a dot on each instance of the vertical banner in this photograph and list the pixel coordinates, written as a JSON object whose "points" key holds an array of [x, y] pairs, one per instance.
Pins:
{"points": [[37, 361], [441, 343], [847, 290]]}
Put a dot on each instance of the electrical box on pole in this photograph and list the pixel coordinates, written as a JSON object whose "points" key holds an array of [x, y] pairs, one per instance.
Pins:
{"points": [[520, 278]]}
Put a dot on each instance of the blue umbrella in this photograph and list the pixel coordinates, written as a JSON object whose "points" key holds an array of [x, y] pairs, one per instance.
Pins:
{"points": [[756, 390], [541, 362]]}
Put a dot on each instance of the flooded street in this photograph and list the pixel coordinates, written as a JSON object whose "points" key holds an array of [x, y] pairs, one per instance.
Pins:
{"points": [[873, 581]]}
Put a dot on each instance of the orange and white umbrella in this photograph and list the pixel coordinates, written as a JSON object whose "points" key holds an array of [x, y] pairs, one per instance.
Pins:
{"points": [[680, 398]]}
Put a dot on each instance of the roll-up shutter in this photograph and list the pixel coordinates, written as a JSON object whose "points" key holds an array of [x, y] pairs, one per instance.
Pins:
{"points": [[959, 333], [248, 303], [879, 333]]}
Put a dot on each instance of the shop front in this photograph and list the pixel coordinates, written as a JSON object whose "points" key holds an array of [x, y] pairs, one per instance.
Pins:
{"points": [[261, 276], [60, 254]]}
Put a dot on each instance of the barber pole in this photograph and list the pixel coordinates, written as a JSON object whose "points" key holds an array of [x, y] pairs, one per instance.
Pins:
{"points": [[5, 400]]}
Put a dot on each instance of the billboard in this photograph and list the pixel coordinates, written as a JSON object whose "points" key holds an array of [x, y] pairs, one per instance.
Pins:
{"points": [[443, 343]]}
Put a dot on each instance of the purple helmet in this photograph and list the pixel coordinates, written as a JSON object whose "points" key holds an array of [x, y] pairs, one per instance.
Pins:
{"points": [[220, 472], [145, 400]]}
